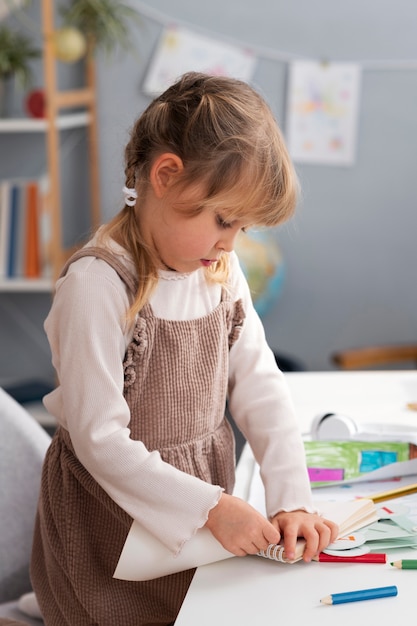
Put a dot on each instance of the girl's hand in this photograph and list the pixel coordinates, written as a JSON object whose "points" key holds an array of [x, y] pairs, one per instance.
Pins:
{"points": [[317, 531], [239, 527]]}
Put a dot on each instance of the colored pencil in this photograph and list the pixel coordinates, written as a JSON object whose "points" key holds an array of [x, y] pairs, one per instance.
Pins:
{"points": [[361, 594], [394, 493], [405, 564], [372, 557]]}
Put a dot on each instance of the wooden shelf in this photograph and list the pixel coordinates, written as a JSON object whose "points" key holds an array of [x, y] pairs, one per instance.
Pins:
{"points": [[31, 125], [59, 106]]}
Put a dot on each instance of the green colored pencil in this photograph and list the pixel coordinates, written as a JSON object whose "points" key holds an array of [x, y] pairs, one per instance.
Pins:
{"points": [[405, 564]]}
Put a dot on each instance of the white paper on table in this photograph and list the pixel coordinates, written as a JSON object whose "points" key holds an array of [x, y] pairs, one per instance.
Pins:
{"points": [[144, 557]]}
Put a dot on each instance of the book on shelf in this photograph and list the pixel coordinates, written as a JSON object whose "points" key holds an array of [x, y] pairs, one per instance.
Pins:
{"points": [[32, 255], [20, 243], [45, 230], [24, 233], [4, 226], [14, 225]]}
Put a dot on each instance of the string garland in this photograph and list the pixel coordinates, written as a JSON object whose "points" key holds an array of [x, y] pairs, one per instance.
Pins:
{"points": [[263, 52]]}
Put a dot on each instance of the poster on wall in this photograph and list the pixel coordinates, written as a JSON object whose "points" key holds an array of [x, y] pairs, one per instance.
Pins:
{"points": [[180, 50], [322, 112]]}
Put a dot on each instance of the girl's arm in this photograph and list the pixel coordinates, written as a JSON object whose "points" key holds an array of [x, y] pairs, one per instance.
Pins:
{"points": [[262, 407]]}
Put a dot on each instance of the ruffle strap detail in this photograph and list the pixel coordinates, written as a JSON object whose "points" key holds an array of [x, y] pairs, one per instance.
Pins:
{"points": [[134, 351]]}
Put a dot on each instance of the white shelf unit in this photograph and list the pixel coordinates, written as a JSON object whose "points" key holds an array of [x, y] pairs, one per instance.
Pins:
{"points": [[25, 285], [65, 121], [40, 125], [64, 110]]}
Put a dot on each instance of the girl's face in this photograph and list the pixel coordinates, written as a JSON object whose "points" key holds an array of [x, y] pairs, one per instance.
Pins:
{"points": [[185, 242]]}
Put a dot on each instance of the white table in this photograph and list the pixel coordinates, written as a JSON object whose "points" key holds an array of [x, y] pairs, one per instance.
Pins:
{"points": [[367, 397], [254, 591]]}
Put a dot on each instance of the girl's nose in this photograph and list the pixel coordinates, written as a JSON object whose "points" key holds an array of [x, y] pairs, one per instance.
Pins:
{"points": [[227, 240]]}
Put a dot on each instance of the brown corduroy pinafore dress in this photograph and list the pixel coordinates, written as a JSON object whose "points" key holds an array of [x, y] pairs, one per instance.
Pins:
{"points": [[175, 385]]}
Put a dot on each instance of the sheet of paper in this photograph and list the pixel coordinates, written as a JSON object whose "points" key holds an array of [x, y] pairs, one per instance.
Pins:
{"points": [[144, 557], [182, 50], [322, 112]]}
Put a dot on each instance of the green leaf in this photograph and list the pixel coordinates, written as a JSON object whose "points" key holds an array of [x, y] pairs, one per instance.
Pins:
{"points": [[16, 52]]}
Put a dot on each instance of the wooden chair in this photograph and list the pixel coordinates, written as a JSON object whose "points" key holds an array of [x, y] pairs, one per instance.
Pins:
{"points": [[380, 357]]}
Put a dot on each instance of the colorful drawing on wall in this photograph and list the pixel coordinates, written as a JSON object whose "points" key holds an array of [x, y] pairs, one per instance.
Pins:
{"points": [[322, 112], [336, 461], [180, 50]]}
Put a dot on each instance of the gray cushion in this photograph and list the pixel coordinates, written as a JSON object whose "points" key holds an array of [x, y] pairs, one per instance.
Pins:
{"points": [[23, 443], [10, 611]]}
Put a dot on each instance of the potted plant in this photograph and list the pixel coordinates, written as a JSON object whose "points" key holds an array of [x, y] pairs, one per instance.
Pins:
{"points": [[105, 23], [16, 52]]}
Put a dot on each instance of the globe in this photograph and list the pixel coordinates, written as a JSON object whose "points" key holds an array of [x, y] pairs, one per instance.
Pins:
{"points": [[263, 266]]}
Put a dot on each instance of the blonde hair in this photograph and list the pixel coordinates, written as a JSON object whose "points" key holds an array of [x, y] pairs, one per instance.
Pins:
{"points": [[228, 139]]}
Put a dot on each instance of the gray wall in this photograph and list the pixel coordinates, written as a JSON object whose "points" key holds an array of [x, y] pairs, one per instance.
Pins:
{"points": [[350, 251]]}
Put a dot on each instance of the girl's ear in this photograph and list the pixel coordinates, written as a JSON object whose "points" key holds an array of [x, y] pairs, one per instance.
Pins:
{"points": [[164, 171]]}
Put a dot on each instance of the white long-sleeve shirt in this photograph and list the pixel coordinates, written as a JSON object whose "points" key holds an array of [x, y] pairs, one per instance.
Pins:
{"points": [[88, 335]]}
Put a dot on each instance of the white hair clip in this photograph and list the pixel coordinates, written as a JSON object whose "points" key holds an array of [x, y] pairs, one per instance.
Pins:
{"points": [[130, 195]]}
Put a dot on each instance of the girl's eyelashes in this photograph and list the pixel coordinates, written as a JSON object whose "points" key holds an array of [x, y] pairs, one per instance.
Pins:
{"points": [[223, 223]]}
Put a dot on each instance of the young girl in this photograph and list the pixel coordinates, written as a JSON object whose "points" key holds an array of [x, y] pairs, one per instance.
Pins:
{"points": [[151, 328]]}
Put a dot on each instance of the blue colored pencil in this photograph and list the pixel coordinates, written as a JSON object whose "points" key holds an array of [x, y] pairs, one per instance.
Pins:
{"points": [[361, 594]]}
